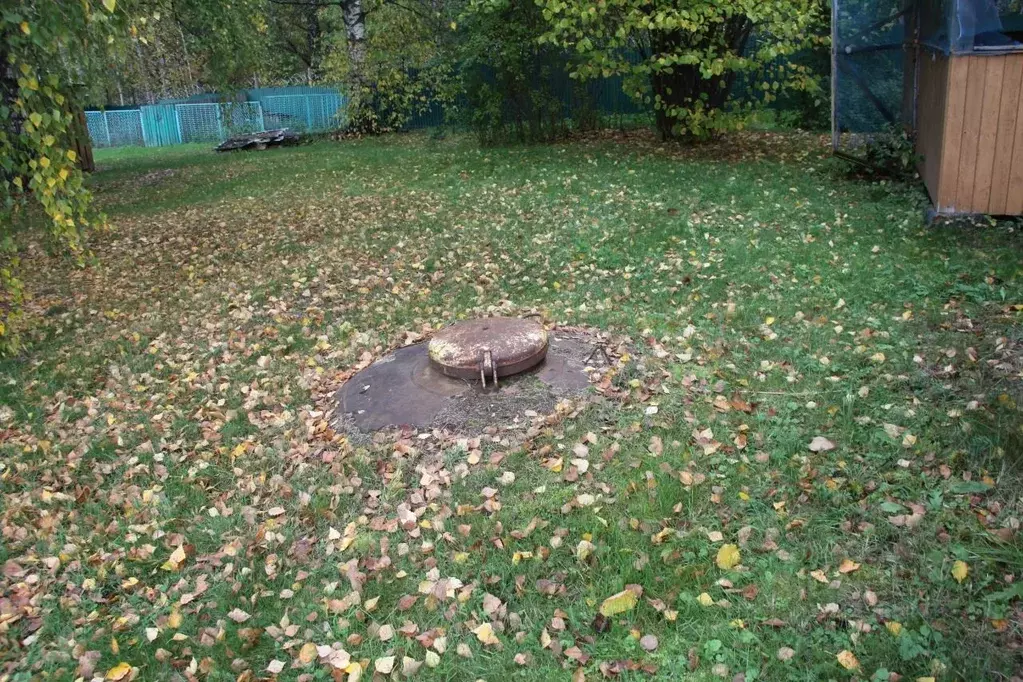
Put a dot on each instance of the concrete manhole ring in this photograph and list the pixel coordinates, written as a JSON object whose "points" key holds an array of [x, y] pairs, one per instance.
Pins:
{"points": [[488, 348], [407, 388]]}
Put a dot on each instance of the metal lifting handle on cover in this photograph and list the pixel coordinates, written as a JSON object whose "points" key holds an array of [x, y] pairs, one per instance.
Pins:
{"points": [[487, 363]]}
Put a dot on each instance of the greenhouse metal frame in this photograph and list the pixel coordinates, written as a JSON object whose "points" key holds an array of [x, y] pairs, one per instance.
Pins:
{"points": [[950, 73]]}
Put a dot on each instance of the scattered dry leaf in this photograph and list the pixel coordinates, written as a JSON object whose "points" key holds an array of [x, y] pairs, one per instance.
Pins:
{"points": [[728, 557]]}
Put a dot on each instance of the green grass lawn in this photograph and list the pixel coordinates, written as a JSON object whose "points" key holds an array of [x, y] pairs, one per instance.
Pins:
{"points": [[174, 505]]}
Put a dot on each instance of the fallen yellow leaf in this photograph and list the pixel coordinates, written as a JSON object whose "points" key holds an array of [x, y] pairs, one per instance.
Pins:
{"points": [[618, 603], [308, 653], [894, 627], [848, 566], [519, 557], [848, 660], [485, 634], [349, 536], [728, 557], [705, 599], [118, 672], [960, 570], [175, 560], [584, 549]]}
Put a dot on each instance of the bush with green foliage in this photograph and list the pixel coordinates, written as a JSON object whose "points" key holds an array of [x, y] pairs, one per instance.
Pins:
{"points": [[809, 108], [691, 54], [402, 69], [889, 155], [511, 83]]}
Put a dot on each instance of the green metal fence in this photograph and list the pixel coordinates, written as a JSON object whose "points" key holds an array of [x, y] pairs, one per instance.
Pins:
{"points": [[211, 118], [193, 120]]}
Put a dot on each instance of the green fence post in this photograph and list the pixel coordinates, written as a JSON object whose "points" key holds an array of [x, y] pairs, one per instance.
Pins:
{"points": [[308, 114], [177, 123], [142, 126], [106, 125], [262, 123], [220, 122]]}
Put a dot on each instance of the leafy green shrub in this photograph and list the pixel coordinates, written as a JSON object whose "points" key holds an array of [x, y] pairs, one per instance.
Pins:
{"points": [[890, 155], [690, 55], [510, 82], [809, 107]]}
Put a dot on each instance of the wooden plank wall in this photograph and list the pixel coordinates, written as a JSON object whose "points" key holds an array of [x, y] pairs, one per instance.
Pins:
{"points": [[930, 116], [980, 152]]}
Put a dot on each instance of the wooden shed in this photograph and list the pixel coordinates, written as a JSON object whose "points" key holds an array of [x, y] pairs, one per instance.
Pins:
{"points": [[960, 63]]}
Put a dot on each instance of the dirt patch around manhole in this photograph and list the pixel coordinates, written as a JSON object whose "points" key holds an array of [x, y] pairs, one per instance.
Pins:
{"points": [[401, 390]]}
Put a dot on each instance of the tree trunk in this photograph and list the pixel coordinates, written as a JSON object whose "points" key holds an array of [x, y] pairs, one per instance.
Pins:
{"points": [[355, 33], [8, 93], [184, 52], [361, 115], [312, 36]]}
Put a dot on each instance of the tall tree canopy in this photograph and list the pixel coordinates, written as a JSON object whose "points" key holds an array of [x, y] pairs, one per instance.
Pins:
{"points": [[389, 54], [176, 48]]}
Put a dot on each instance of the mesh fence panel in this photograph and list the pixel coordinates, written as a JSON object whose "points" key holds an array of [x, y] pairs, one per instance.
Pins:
{"points": [[303, 112], [288, 111], [115, 128], [869, 38], [99, 132], [242, 117], [869, 91], [200, 122], [333, 111]]}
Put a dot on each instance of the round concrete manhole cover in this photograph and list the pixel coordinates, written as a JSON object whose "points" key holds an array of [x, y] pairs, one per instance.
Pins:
{"points": [[488, 349]]}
